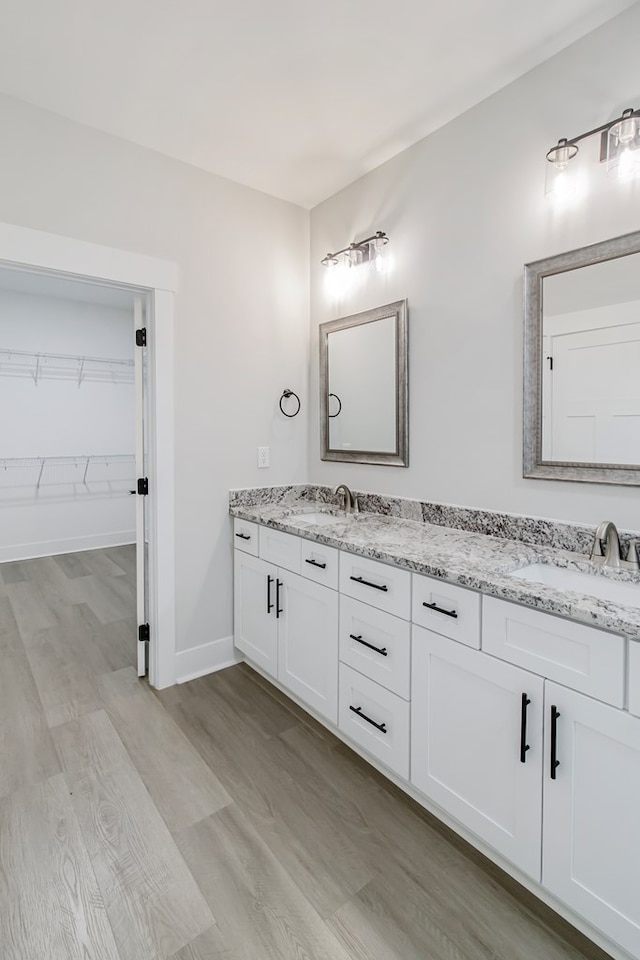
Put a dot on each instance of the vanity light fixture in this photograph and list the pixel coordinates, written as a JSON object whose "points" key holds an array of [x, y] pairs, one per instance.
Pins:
{"points": [[619, 147], [361, 251]]}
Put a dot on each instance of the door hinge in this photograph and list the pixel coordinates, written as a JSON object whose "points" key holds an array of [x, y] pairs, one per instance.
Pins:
{"points": [[141, 337], [550, 359], [143, 486], [144, 634]]}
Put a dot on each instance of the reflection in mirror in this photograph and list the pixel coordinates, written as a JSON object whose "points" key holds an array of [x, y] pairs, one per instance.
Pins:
{"points": [[582, 363], [591, 374], [363, 367]]}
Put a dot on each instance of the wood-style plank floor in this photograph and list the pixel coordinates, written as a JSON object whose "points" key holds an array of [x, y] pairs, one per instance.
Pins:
{"points": [[210, 821]]}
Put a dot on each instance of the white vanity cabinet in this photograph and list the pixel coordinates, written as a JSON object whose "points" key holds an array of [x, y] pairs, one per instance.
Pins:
{"points": [[476, 744], [255, 625], [453, 692], [591, 841], [287, 625]]}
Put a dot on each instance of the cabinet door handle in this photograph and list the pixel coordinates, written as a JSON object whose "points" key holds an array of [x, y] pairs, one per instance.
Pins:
{"points": [[243, 536], [447, 613], [279, 609], [314, 563], [367, 583], [381, 650], [269, 604], [379, 726], [555, 715], [524, 746]]}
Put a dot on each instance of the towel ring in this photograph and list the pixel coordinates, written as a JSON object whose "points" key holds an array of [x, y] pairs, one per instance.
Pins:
{"points": [[285, 396], [332, 415]]}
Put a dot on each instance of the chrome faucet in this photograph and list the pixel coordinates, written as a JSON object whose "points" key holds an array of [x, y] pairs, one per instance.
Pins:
{"points": [[607, 534], [349, 502]]}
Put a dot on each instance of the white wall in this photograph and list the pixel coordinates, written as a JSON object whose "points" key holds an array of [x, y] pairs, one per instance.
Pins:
{"points": [[241, 318], [59, 418], [465, 209]]}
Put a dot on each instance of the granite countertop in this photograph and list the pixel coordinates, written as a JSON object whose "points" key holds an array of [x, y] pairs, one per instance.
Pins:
{"points": [[472, 560]]}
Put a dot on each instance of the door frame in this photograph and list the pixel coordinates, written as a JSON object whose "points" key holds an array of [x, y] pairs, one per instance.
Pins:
{"points": [[41, 252]]}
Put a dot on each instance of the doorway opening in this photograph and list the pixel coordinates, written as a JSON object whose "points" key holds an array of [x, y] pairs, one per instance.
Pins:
{"points": [[73, 463]]}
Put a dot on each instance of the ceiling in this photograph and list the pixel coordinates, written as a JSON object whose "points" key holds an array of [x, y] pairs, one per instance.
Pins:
{"points": [[293, 97]]}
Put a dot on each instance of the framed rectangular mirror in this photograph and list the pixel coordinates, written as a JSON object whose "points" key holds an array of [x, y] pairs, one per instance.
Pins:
{"points": [[364, 387], [582, 364]]}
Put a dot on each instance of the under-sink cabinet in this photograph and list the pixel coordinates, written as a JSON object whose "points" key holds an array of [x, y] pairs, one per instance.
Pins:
{"points": [[511, 723], [476, 747], [288, 626]]}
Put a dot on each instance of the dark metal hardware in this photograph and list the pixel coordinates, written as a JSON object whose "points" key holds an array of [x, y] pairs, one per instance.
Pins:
{"points": [[550, 359], [143, 486], [332, 415], [361, 245], [243, 536], [447, 613], [367, 583], [269, 604], [285, 396], [524, 746], [602, 129], [133, 491], [279, 609], [144, 633], [314, 563], [141, 337], [555, 714], [381, 650], [379, 726]]}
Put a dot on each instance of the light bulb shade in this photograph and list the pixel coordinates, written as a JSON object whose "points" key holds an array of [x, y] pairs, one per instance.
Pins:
{"points": [[561, 183], [623, 147]]}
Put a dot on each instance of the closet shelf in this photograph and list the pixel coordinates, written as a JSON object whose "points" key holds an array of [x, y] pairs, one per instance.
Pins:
{"points": [[60, 366], [83, 469]]}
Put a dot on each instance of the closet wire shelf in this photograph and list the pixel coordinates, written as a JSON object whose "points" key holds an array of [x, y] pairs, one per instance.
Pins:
{"points": [[61, 366], [91, 473]]}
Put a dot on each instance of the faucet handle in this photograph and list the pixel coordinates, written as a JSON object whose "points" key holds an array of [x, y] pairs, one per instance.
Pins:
{"points": [[632, 556]]}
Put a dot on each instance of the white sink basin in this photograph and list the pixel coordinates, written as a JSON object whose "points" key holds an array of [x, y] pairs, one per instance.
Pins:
{"points": [[317, 519], [590, 584]]}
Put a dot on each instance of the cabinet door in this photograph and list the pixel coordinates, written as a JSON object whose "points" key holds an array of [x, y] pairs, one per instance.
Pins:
{"points": [[469, 725], [591, 843], [308, 643], [255, 625]]}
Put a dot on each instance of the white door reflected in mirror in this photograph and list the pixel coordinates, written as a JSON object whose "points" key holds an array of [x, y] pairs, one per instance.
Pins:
{"points": [[590, 364]]}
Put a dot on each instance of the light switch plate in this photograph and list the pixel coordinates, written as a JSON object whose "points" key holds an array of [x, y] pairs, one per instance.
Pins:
{"points": [[264, 458]]}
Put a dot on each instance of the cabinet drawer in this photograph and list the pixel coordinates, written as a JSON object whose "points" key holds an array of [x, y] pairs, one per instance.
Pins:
{"points": [[447, 609], [319, 563], [385, 732], [634, 677], [376, 644], [282, 549], [385, 587], [245, 536], [572, 654]]}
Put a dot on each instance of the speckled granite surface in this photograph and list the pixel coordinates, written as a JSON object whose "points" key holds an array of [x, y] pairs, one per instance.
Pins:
{"points": [[472, 559]]}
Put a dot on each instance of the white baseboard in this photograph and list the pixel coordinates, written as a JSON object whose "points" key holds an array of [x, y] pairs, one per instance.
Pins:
{"points": [[51, 548], [207, 658]]}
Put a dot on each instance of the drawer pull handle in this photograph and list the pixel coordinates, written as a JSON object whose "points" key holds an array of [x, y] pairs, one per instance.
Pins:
{"points": [[379, 726], [524, 746], [243, 536], [447, 613], [555, 714], [279, 610], [314, 563], [269, 604], [381, 650], [367, 583]]}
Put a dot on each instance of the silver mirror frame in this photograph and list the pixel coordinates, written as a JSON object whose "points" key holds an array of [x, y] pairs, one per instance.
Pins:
{"points": [[400, 456], [534, 273]]}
